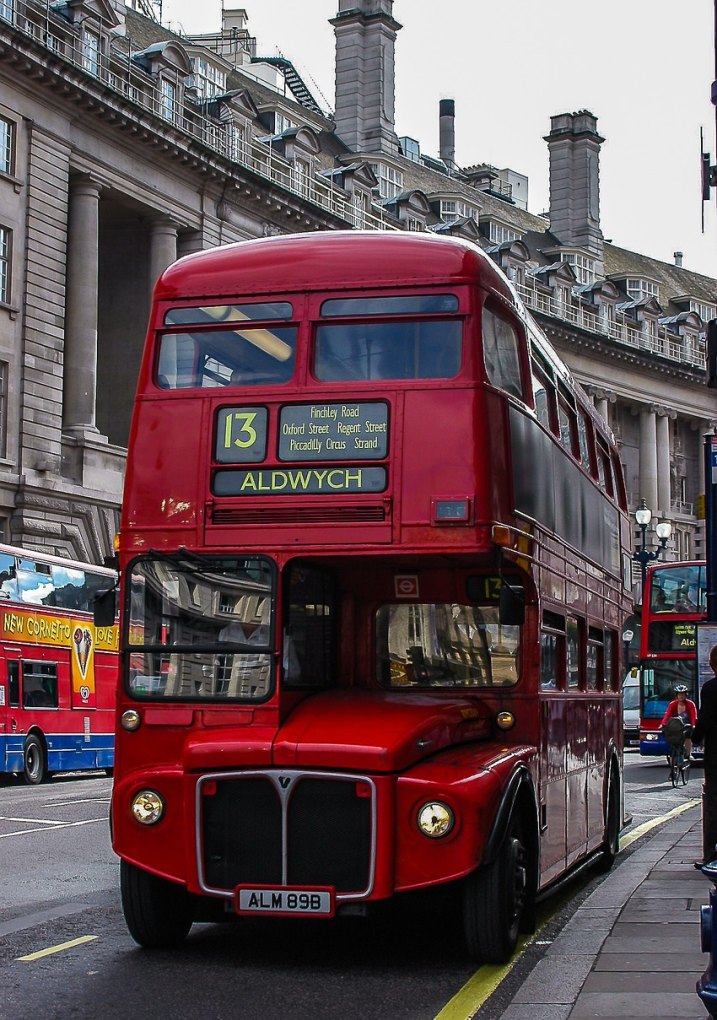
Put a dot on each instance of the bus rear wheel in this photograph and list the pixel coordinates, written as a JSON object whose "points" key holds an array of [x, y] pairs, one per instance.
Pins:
{"points": [[158, 913], [494, 902], [34, 761]]}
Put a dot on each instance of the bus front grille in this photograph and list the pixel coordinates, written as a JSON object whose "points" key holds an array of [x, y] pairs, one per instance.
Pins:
{"points": [[303, 515], [287, 828]]}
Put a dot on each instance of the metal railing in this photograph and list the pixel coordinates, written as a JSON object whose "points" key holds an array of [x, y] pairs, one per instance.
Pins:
{"points": [[660, 341]]}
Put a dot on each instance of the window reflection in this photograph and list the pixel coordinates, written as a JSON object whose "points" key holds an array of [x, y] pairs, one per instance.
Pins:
{"points": [[445, 645]]}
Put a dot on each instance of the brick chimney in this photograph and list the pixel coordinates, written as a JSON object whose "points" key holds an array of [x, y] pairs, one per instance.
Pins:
{"points": [[365, 33], [574, 149]]}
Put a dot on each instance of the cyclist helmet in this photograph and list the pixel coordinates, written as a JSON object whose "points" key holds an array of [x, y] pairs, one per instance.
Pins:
{"points": [[680, 689]]}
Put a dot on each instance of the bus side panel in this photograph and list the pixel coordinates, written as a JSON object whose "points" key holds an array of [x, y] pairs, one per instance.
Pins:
{"points": [[177, 450]]}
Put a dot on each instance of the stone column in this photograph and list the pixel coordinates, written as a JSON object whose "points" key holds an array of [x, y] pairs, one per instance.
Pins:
{"points": [[648, 456], [162, 248], [80, 364], [662, 436]]}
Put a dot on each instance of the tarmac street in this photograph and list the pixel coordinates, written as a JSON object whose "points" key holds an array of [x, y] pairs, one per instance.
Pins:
{"points": [[632, 949]]}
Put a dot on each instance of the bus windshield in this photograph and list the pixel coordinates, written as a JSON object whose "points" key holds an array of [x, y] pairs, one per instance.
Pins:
{"points": [[679, 589], [200, 632], [658, 684], [445, 645]]}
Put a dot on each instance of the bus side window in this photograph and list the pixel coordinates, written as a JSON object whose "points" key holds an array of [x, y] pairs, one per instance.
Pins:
{"points": [[610, 673], [13, 679], [552, 652], [573, 649], [544, 397], [39, 685], [568, 426], [501, 353], [585, 442]]}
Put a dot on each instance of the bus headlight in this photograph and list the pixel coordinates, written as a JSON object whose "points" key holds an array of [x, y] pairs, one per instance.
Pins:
{"points": [[147, 807], [131, 720], [435, 819]]}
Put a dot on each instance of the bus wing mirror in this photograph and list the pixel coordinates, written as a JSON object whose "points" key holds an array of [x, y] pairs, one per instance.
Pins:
{"points": [[512, 605], [105, 608]]}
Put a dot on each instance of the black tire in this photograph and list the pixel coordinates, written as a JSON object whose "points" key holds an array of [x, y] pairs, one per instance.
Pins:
{"points": [[495, 898], [685, 773], [158, 913], [34, 761], [674, 775], [611, 843]]}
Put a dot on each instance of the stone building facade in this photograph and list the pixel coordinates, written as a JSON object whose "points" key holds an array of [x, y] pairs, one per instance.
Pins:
{"points": [[124, 146]]}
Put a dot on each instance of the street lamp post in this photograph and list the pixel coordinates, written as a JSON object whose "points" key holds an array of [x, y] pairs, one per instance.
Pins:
{"points": [[643, 555]]}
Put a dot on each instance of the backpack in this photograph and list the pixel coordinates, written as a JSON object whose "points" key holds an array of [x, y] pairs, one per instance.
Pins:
{"points": [[674, 729]]}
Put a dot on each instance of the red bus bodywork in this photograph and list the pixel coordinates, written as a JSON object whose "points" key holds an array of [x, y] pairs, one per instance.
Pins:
{"points": [[673, 603], [57, 670], [390, 776]]}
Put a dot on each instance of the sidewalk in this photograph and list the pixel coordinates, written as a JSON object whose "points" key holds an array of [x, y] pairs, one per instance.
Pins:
{"points": [[632, 949]]}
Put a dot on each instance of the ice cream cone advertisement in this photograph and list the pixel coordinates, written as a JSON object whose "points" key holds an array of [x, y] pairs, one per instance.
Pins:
{"points": [[83, 664]]}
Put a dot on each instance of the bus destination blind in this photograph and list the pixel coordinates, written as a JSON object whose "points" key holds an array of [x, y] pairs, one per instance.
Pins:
{"points": [[308, 434]]}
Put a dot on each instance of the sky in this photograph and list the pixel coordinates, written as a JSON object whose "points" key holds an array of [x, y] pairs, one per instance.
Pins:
{"points": [[644, 68]]}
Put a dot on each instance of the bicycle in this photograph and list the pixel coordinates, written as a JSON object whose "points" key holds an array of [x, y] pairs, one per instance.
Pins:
{"points": [[675, 732]]}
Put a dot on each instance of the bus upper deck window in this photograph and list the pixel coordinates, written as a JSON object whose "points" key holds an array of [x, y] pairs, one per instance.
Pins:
{"points": [[250, 356], [500, 353], [207, 315], [401, 349]]}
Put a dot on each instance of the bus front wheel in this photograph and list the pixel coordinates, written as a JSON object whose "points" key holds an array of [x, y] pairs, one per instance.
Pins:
{"points": [[494, 901], [34, 761], [158, 913]]}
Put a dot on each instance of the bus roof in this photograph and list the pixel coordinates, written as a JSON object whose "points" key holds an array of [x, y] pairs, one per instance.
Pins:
{"points": [[329, 260]]}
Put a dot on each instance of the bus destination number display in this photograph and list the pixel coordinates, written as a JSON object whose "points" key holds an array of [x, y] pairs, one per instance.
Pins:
{"points": [[665, 636], [336, 431]]}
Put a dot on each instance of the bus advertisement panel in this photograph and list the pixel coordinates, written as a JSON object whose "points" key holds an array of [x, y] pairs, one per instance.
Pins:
{"points": [[371, 613], [57, 670], [674, 603]]}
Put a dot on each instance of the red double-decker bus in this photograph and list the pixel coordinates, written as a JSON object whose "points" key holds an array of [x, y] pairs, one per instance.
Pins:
{"points": [[373, 562], [673, 603], [58, 672]]}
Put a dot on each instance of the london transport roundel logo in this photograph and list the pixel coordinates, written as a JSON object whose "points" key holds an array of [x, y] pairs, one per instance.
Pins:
{"points": [[406, 586]]}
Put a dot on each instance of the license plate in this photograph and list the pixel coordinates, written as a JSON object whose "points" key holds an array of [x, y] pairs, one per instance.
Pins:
{"points": [[284, 902]]}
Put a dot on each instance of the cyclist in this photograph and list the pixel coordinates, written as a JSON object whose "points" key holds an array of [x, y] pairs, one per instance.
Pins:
{"points": [[682, 708]]}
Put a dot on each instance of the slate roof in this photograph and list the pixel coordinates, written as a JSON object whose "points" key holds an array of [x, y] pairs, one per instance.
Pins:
{"points": [[534, 230]]}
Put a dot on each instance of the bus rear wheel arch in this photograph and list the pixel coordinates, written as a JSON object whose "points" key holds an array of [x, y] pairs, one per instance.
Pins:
{"points": [[34, 760], [158, 913]]}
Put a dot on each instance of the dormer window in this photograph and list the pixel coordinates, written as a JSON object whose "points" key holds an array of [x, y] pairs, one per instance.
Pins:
{"points": [[282, 123], [638, 288], [705, 311], [301, 176], [452, 210], [90, 42], [168, 99], [498, 233], [390, 180], [208, 79], [236, 141], [583, 266]]}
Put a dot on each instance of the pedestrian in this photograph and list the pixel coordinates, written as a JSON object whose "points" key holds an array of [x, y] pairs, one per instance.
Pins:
{"points": [[705, 734]]}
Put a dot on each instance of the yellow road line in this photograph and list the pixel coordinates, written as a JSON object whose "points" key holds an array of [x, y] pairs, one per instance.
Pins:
{"points": [[628, 840], [56, 949], [478, 989]]}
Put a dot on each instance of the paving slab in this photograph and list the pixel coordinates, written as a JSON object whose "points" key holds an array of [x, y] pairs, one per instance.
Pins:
{"points": [[555, 980], [647, 1004]]}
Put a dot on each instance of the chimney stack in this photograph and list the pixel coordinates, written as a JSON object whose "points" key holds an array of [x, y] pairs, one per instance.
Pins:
{"points": [[678, 255], [365, 33], [574, 149], [447, 132]]}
